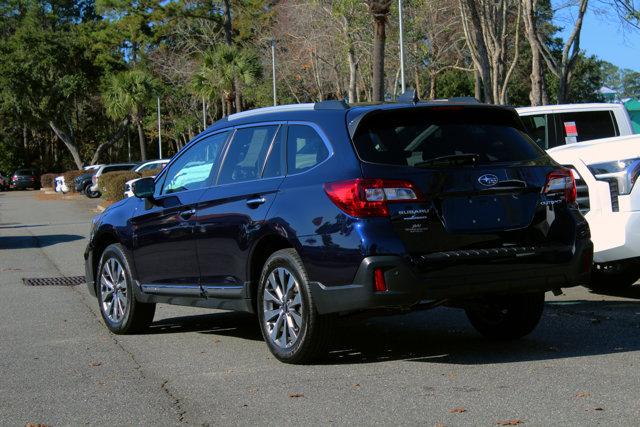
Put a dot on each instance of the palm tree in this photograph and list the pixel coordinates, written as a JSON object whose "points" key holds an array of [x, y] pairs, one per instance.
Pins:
{"points": [[126, 95], [222, 69], [379, 10]]}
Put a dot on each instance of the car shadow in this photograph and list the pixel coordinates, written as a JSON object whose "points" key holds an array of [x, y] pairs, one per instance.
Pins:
{"points": [[569, 329], [28, 242]]}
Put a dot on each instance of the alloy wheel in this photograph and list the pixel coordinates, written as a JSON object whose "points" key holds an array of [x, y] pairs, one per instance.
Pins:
{"points": [[113, 290], [282, 308]]}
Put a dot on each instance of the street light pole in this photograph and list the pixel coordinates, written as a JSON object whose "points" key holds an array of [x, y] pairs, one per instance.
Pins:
{"points": [[273, 70], [159, 132], [402, 84]]}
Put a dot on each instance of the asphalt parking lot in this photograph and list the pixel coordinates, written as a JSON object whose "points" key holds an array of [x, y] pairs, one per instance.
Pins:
{"points": [[59, 364]]}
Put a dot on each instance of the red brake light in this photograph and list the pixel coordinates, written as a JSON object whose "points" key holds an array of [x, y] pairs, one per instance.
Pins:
{"points": [[369, 197], [379, 284], [561, 181]]}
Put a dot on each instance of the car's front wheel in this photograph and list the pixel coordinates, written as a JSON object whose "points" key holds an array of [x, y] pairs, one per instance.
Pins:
{"points": [[507, 317], [290, 323], [121, 312]]}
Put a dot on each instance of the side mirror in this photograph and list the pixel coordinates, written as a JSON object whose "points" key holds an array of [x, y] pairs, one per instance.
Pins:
{"points": [[144, 188]]}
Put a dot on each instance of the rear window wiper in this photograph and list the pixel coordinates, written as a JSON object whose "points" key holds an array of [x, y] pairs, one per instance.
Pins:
{"points": [[450, 160]]}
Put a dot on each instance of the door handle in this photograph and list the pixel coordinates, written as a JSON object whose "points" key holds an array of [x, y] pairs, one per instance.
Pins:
{"points": [[187, 214], [256, 201]]}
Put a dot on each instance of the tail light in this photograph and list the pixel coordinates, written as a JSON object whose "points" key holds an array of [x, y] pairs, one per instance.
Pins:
{"points": [[561, 181], [379, 284], [369, 197], [14, 178]]}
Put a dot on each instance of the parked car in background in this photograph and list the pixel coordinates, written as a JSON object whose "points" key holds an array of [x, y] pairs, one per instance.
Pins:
{"points": [[4, 182], [60, 186], [556, 125], [145, 167], [94, 190], [606, 171], [302, 212], [25, 178], [83, 182]]}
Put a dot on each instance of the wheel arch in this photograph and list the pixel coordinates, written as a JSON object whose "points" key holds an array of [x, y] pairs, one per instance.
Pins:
{"points": [[261, 251]]}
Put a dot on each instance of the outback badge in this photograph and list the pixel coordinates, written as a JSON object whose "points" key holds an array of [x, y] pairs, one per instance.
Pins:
{"points": [[488, 180]]}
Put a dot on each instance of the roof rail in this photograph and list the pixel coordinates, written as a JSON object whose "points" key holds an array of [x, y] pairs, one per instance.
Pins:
{"points": [[467, 99], [274, 109]]}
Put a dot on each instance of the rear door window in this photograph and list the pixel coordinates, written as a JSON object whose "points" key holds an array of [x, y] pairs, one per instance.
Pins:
{"points": [[247, 153], [586, 125], [440, 137], [538, 129], [305, 148]]}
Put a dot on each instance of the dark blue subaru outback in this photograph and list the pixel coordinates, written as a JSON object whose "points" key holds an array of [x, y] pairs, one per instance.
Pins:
{"points": [[301, 213]]}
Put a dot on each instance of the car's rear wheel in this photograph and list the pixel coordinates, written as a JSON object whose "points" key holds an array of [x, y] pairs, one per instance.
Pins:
{"points": [[290, 323], [91, 194], [507, 317], [120, 311]]}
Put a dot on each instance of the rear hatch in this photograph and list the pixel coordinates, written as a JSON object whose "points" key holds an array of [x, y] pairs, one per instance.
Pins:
{"points": [[481, 181]]}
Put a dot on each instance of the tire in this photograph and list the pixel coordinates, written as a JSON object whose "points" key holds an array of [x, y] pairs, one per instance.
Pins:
{"points": [[509, 317], [124, 315], [623, 276], [297, 315], [91, 194]]}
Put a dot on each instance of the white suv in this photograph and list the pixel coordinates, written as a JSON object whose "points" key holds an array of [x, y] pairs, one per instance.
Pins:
{"points": [[606, 171]]}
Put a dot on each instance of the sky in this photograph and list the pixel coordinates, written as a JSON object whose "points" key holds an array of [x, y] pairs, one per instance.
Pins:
{"points": [[604, 36]]}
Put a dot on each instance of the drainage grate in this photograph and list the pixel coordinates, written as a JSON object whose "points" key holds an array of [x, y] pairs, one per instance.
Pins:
{"points": [[55, 281]]}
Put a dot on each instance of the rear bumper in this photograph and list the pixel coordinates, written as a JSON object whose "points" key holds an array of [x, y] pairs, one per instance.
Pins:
{"points": [[406, 288]]}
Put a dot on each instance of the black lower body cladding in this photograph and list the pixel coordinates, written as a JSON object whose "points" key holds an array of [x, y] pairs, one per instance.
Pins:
{"points": [[408, 284]]}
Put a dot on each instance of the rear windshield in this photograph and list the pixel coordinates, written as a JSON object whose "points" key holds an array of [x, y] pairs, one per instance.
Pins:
{"points": [[117, 168], [432, 137], [25, 172]]}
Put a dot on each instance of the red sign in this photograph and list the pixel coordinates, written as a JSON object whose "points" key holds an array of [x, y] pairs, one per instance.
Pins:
{"points": [[570, 129]]}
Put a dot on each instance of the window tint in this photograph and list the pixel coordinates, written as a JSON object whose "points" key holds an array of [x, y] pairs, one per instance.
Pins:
{"points": [[275, 164], [246, 154], [586, 125], [537, 129], [305, 148], [25, 172], [432, 137], [152, 166], [192, 169]]}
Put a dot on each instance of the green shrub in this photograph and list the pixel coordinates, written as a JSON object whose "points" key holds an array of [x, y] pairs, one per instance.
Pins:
{"points": [[69, 178], [46, 180], [112, 184]]}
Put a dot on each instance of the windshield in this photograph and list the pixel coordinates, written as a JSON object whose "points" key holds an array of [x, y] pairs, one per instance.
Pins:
{"points": [[433, 137]]}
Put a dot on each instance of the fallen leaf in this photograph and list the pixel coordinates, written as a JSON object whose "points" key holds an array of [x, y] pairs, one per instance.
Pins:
{"points": [[295, 395], [598, 409], [457, 410], [512, 422], [35, 425], [216, 340], [439, 425], [355, 386], [94, 364], [583, 394]]}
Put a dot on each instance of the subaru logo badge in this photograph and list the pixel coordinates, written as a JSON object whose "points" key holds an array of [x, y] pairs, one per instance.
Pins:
{"points": [[488, 180]]}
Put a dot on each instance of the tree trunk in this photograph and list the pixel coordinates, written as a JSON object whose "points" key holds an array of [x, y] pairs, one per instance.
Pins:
{"points": [[109, 142], [237, 89], [143, 148], [432, 86], [69, 142], [477, 86], [530, 26], [25, 144], [563, 86], [353, 75], [226, 10], [378, 58]]}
